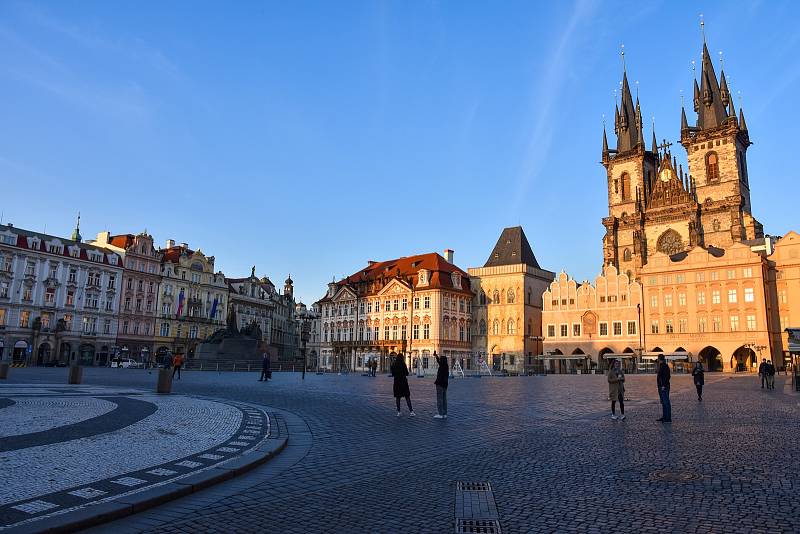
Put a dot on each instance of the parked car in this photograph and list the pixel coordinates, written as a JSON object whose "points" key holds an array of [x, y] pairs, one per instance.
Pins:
{"points": [[126, 363]]}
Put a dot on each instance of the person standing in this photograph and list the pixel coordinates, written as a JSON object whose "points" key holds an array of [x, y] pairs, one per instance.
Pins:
{"points": [[770, 372], [616, 390], [662, 381], [762, 371], [698, 374], [374, 365], [177, 362], [400, 386], [442, 378], [265, 363]]}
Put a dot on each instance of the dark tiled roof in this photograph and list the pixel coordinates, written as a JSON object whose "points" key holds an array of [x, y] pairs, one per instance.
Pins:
{"points": [[512, 249], [22, 242]]}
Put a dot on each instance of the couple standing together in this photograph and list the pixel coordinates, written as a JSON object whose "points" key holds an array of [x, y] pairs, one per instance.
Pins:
{"points": [[616, 388], [400, 387]]}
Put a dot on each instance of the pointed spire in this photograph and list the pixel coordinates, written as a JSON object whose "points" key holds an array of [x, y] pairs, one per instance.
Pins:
{"points": [[605, 143], [711, 111], [76, 233], [723, 88], [629, 123], [654, 141], [742, 124], [684, 123], [616, 119], [696, 97]]}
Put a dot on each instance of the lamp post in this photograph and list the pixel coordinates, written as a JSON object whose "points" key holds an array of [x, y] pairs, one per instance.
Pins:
{"points": [[305, 331], [537, 340]]}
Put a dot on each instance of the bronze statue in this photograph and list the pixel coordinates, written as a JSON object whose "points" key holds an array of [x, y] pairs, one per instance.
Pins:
{"points": [[231, 320]]}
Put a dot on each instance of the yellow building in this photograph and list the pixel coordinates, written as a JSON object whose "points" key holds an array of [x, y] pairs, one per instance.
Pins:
{"points": [[507, 311], [787, 285]]}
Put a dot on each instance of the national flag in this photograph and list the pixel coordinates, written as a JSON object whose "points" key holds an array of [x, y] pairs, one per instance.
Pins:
{"points": [[180, 303], [213, 309]]}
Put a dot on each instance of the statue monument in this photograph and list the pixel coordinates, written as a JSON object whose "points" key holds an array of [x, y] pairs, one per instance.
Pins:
{"points": [[230, 343]]}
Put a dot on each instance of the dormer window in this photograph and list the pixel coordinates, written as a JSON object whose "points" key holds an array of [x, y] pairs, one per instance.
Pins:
{"points": [[33, 242], [423, 277], [456, 278]]}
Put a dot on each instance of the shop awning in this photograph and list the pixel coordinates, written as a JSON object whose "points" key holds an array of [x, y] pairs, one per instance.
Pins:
{"points": [[620, 356], [667, 355]]}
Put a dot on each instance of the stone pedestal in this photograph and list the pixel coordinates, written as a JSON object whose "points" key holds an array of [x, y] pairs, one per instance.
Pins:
{"points": [[232, 348], [164, 385]]}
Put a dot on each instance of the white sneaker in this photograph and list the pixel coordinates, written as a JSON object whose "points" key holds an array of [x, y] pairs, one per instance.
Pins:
{"points": [[622, 417], [614, 417], [437, 416], [412, 414], [398, 414], [444, 416]]}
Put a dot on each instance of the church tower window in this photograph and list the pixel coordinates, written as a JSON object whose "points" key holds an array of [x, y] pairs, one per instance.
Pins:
{"points": [[626, 256], [626, 186], [712, 167]]}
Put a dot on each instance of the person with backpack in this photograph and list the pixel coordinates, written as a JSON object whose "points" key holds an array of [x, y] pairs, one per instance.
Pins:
{"points": [[442, 378], [400, 386], [177, 362]]}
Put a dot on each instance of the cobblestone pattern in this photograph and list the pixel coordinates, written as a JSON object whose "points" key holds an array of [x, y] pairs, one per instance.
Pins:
{"points": [[555, 459], [182, 438], [37, 414]]}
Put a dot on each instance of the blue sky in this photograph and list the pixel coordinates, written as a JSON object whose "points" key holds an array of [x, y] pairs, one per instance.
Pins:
{"points": [[310, 137]]}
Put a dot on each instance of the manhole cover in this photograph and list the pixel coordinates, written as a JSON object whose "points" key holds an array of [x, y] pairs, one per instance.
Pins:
{"points": [[480, 526], [473, 486], [666, 475]]}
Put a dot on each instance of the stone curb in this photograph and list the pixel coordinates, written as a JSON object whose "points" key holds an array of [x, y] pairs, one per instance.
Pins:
{"points": [[98, 514]]}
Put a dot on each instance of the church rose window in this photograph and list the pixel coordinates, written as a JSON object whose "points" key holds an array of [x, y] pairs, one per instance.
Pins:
{"points": [[670, 243]]}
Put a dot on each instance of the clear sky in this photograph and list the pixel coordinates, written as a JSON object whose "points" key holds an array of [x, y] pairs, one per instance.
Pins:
{"points": [[310, 137]]}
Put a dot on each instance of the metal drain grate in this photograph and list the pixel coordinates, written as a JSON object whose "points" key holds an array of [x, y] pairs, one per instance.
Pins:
{"points": [[473, 486], [667, 475], [477, 526]]}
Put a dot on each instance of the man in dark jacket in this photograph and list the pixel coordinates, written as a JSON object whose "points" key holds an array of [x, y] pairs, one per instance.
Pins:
{"points": [[442, 378], [662, 381], [762, 371], [769, 370], [265, 365]]}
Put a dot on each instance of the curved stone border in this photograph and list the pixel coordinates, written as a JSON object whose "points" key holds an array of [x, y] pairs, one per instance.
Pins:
{"points": [[116, 507]]}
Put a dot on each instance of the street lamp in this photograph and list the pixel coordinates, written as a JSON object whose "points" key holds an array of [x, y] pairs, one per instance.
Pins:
{"points": [[305, 331]]}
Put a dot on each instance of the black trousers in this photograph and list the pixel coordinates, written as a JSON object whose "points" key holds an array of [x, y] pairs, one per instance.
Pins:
{"points": [[621, 404], [408, 401], [176, 369], [699, 390], [264, 374]]}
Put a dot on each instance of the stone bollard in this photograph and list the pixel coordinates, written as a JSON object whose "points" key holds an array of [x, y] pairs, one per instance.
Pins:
{"points": [[75, 374], [164, 381], [3, 370]]}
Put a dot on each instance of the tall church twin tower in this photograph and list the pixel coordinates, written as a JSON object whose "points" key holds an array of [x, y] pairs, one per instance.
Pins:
{"points": [[653, 206]]}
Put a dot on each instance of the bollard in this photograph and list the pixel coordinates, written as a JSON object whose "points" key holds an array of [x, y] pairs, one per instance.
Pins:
{"points": [[75, 374], [164, 381], [3, 370]]}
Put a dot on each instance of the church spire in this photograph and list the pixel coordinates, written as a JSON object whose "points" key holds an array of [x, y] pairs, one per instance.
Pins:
{"points": [[629, 127], [742, 124], [605, 143], [711, 107], [684, 123], [76, 233]]}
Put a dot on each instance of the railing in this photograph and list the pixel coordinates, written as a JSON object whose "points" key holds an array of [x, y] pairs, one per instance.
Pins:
{"points": [[241, 365]]}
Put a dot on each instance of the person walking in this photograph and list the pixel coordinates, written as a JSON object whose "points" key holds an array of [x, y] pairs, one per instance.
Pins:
{"points": [[698, 374], [177, 362], [762, 372], [770, 372], [662, 381], [374, 365], [442, 378], [616, 390], [400, 386], [265, 364]]}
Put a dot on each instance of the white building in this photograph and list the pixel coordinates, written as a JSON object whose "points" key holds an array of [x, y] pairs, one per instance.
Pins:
{"points": [[59, 299]]}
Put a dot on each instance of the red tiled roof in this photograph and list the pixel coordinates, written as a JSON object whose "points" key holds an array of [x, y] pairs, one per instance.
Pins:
{"points": [[173, 254], [122, 241], [404, 268]]}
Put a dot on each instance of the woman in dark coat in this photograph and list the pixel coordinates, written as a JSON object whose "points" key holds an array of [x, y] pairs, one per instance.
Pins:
{"points": [[400, 372], [699, 379], [442, 377]]}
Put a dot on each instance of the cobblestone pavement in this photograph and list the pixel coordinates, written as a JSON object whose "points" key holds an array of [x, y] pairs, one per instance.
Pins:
{"points": [[555, 460], [64, 448]]}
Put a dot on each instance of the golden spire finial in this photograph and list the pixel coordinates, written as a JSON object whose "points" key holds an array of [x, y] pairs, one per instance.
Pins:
{"points": [[681, 97]]}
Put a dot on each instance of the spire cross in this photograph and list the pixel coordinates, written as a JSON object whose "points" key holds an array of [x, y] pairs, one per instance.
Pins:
{"points": [[681, 97], [664, 145], [721, 62], [637, 90]]}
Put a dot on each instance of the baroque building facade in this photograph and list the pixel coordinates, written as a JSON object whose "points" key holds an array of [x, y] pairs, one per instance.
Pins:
{"points": [[141, 278], [507, 308], [59, 299], [411, 306], [192, 302]]}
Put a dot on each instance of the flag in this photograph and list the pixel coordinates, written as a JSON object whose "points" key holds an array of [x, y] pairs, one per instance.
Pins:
{"points": [[180, 303], [213, 309]]}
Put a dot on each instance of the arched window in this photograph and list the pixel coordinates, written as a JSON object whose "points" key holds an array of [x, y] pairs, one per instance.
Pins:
{"points": [[510, 327], [626, 256], [529, 296], [712, 167], [510, 296], [496, 297], [496, 327], [626, 186], [670, 242], [483, 298], [483, 327]]}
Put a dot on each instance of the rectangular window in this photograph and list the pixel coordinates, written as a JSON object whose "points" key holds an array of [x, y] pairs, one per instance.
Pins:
{"points": [[701, 298], [631, 328], [749, 295], [668, 326], [714, 276], [667, 280], [415, 331], [603, 329], [680, 278], [376, 331], [681, 299], [700, 277], [653, 280], [394, 332], [2, 317], [386, 331], [27, 294], [107, 326], [460, 332], [654, 301], [576, 330], [617, 328], [716, 324], [564, 330], [124, 327], [782, 296], [654, 326], [751, 322], [68, 322], [682, 324], [427, 303], [361, 307], [731, 274], [387, 305], [405, 304], [50, 295], [732, 296], [416, 303], [551, 330], [403, 332], [701, 324], [715, 299], [396, 304], [426, 331], [4, 290], [668, 300], [734, 323], [747, 272]]}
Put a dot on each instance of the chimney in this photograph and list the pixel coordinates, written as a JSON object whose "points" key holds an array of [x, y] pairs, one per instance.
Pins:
{"points": [[103, 238], [371, 262], [184, 245], [448, 255], [170, 243]]}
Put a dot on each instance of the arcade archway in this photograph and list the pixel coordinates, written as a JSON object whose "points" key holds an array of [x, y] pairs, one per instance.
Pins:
{"points": [[710, 358]]}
